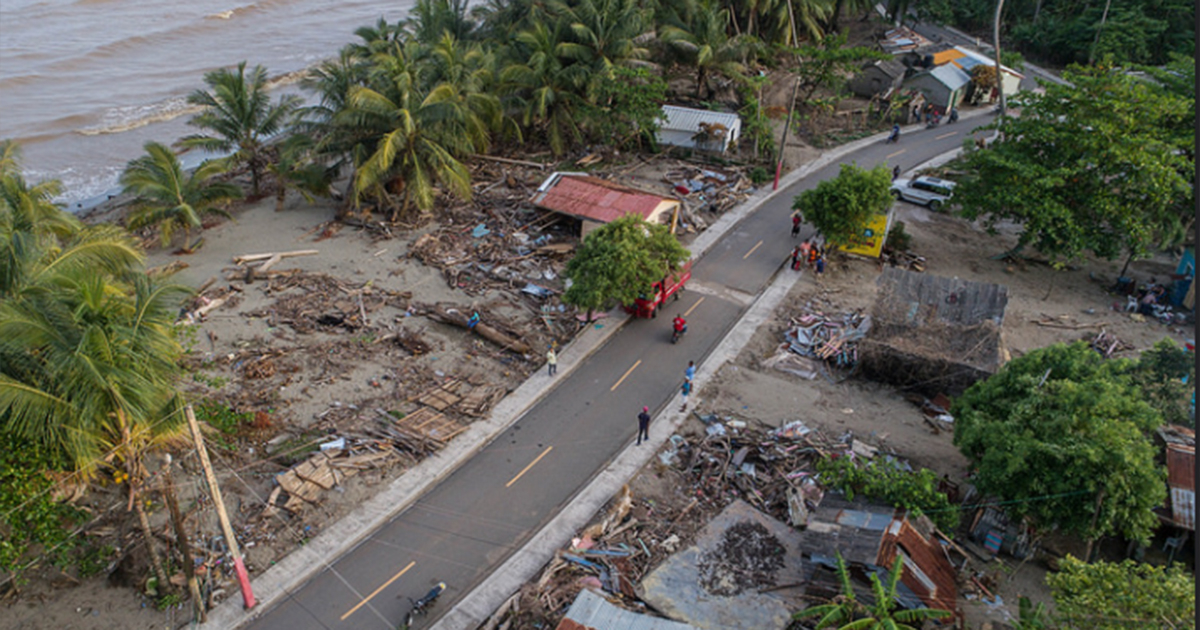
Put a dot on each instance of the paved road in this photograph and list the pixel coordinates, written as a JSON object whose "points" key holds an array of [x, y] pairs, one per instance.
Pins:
{"points": [[465, 526]]}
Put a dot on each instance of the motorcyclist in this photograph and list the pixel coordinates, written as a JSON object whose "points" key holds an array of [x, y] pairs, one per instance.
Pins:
{"points": [[679, 324], [895, 133]]}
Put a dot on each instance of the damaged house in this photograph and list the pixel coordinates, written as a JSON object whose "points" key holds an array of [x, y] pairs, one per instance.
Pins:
{"points": [[595, 201], [933, 334], [870, 538]]}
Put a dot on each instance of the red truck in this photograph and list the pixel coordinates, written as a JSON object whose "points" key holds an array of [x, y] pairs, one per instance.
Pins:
{"points": [[647, 305]]}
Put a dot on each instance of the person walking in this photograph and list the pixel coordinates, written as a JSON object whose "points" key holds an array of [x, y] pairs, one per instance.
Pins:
{"points": [[643, 426], [896, 172], [552, 361], [690, 372], [685, 390], [796, 221]]}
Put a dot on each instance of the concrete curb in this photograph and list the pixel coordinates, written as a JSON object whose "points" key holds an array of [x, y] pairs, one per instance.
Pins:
{"points": [[272, 586]]}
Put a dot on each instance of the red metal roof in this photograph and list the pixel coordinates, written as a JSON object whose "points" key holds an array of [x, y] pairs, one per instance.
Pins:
{"points": [[596, 199], [929, 558]]}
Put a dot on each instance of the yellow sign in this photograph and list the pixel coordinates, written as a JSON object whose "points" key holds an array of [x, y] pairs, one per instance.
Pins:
{"points": [[871, 241]]}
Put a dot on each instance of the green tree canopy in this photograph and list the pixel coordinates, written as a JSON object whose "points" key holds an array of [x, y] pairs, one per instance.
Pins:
{"points": [[619, 261], [1062, 436], [1122, 596], [841, 207], [1092, 166], [827, 63]]}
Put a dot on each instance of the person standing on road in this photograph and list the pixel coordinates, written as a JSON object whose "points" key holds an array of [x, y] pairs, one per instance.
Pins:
{"points": [[685, 390], [805, 249], [690, 372], [643, 426], [797, 255], [552, 361], [820, 266], [796, 221]]}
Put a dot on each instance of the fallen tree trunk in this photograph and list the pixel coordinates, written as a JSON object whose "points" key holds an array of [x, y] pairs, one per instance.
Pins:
{"points": [[455, 317]]}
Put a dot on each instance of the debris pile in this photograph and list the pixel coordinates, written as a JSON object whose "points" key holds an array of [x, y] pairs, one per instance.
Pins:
{"points": [[336, 461], [1108, 344], [711, 189], [901, 259], [770, 469], [311, 302], [821, 343]]}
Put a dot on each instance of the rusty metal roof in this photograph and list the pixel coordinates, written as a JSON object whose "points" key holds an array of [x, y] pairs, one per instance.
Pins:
{"points": [[933, 579], [596, 199]]}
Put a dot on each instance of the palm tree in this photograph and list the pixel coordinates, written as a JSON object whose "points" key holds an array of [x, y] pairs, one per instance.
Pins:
{"points": [[296, 170], [171, 199], [707, 44], [608, 33], [544, 88], [431, 19], [411, 155], [845, 612], [88, 356], [31, 209], [239, 111]]}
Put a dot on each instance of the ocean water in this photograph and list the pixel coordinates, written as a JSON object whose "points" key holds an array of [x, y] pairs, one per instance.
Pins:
{"points": [[85, 83]]}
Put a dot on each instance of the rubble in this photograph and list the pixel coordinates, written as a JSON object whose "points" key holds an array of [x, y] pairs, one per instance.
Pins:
{"points": [[816, 342]]}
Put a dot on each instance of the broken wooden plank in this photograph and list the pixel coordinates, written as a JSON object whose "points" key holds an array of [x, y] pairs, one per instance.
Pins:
{"points": [[245, 258]]}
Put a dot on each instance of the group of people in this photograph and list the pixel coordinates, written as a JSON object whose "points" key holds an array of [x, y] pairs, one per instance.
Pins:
{"points": [[811, 254], [1151, 298]]}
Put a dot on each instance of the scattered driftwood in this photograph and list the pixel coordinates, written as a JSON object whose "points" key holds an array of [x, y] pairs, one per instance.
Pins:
{"points": [[455, 317], [494, 158], [248, 258]]}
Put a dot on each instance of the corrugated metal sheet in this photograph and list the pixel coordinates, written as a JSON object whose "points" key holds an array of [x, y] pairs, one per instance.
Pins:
{"points": [[592, 612], [594, 198], [946, 56], [929, 558], [686, 119], [951, 76], [1183, 508], [953, 300]]}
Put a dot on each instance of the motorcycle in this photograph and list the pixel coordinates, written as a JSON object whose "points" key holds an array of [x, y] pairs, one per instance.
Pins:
{"points": [[892, 138], [677, 334], [420, 606]]}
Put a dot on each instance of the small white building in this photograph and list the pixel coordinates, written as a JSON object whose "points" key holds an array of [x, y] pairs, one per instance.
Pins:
{"points": [[699, 129]]}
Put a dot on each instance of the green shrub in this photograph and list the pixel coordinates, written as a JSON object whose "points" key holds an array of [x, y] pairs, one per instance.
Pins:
{"points": [[915, 491]]}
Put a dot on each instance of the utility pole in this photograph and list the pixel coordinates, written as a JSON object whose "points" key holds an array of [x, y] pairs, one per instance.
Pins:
{"points": [[189, 567], [999, 73], [230, 539], [787, 124]]}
